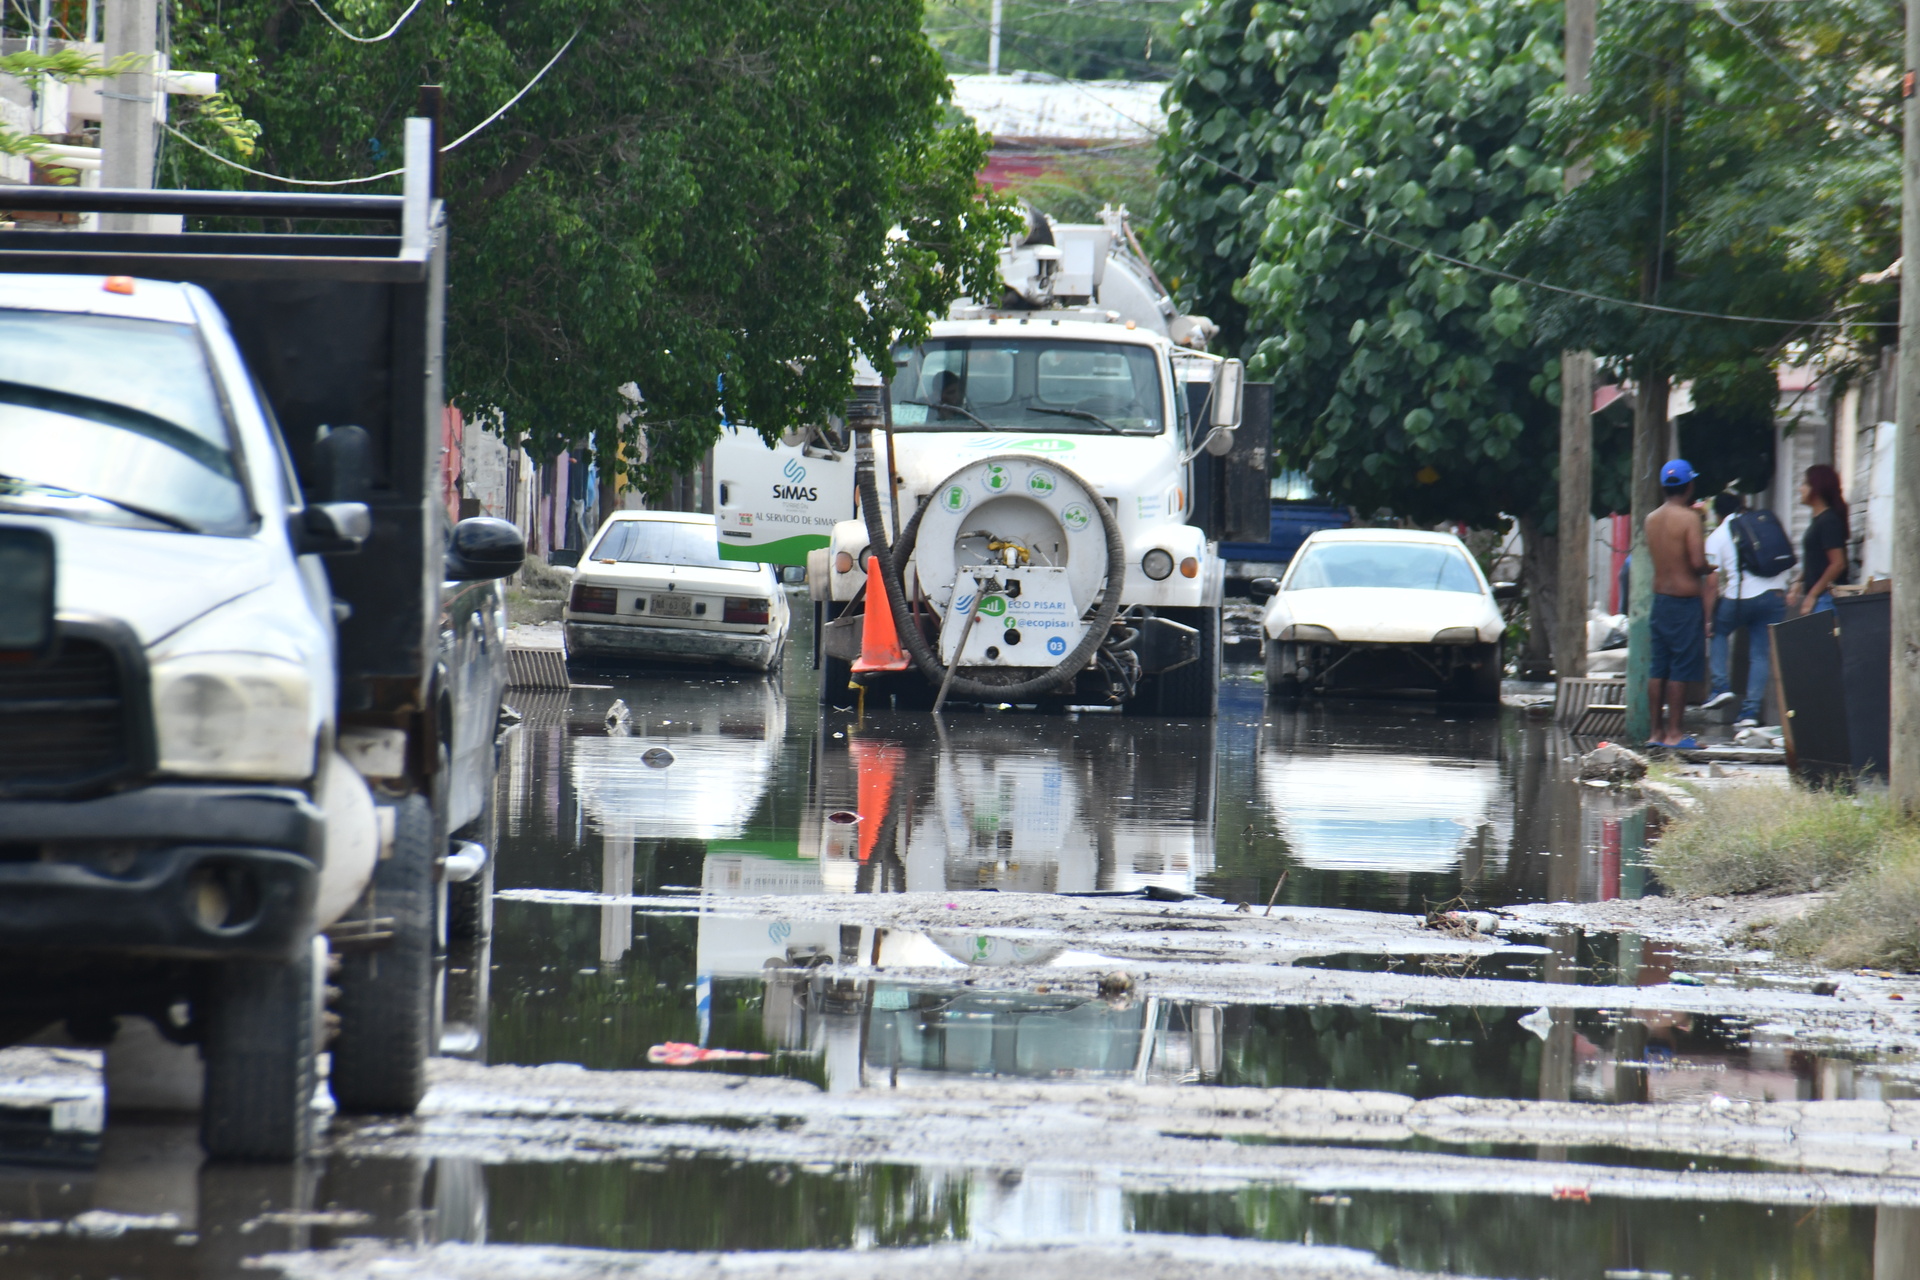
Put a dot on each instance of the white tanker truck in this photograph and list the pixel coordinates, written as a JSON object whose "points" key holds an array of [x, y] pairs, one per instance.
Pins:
{"points": [[1041, 487]]}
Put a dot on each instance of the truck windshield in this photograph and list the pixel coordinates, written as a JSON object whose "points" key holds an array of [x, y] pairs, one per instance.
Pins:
{"points": [[110, 418], [1026, 384], [666, 542], [1411, 566]]}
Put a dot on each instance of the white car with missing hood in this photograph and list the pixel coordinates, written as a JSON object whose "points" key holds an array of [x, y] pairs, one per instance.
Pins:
{"points": [[1383, 610], [653, 586]]}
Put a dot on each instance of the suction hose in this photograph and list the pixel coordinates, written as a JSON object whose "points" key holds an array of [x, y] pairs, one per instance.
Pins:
{"points": [[892, 557]]}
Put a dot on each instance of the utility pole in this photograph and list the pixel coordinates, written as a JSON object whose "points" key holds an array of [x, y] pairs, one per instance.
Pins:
{"points": [[993, 40], [1903, 765], [127, 106], [1649, 448], [1576, 410]]}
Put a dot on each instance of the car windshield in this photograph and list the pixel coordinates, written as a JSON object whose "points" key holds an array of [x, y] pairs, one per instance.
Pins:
{"points": [[1412, 566], [1028, 384], [104, 417], [665, 542]]}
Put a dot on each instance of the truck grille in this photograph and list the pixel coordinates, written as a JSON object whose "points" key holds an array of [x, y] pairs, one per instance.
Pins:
{"points": [[64, 723]]}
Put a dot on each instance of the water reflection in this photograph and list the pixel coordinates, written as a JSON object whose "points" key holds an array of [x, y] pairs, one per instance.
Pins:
{"points": [[1401, 808], [149, 1206], [1024, 804]]}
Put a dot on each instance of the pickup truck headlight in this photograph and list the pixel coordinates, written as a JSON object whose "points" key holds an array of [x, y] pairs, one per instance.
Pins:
{"points": [[233, 715]]}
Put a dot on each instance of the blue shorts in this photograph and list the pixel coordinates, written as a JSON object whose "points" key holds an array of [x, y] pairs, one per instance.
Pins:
{"points": [[1679, 626]]}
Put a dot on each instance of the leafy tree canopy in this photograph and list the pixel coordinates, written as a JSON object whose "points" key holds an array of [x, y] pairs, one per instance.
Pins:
{"points": [[1744, 163], [1410, 382], [1250, 93], [714, 204]]}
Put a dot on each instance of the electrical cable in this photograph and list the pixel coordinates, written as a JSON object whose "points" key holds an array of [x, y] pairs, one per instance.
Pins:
{"points": [[1872, 128], [375, 177], [384, 35]]}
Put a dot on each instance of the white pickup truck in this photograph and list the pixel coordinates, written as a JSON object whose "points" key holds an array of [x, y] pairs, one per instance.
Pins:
{"points": [[1063, 464], [250, 672]]}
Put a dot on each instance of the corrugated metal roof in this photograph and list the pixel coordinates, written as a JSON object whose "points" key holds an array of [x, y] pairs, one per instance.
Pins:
{"points": [[1029, 106]]}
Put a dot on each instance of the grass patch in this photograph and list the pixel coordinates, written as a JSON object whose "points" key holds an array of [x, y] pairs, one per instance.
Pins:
{"points": [[1764, 839], [1873, 920]]}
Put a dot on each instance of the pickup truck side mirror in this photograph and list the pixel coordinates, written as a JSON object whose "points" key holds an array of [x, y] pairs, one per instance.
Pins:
{"points": [[483, 547], [329, 528], [1263, 589], [1506, 591]]}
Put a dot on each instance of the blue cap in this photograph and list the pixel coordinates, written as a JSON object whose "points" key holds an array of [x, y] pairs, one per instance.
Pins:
{"points": [[1677, 473]]}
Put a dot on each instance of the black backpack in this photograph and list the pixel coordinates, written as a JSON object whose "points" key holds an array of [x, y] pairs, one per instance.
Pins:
{"points": [[1763, 546]]}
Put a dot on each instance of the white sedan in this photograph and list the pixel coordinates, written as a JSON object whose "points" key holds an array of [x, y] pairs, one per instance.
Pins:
{"points": [[1383, 609], [653, 586]]}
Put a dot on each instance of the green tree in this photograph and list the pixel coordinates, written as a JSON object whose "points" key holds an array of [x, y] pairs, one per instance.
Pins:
{"points": [[713, 204], [1414, 383], [1249, 95], [1741, 164]]}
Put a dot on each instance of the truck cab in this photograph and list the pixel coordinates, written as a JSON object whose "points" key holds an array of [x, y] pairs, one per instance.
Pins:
{"points": [[250, 673]]}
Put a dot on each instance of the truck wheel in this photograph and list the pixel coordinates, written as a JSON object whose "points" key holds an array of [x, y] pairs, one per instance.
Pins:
{"points": [[835, 675], [386, 993], [259, 1051], [1281, 682], [1193, 690]]}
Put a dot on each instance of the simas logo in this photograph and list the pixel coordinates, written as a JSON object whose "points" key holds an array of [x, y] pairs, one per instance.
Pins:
{"points": [[964, 604], [795, 491]]}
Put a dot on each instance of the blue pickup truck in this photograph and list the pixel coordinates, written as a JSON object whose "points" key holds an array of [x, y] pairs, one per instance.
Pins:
{"points": [[1297, 512]]}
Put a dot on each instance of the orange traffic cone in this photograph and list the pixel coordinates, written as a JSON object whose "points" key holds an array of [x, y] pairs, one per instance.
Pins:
{"points": [[879, 643]]}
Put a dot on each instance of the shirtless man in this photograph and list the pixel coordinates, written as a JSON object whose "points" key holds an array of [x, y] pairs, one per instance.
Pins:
{"points": [[1682, 615]]}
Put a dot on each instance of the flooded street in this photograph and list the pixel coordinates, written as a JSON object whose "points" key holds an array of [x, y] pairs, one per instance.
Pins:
{"points": [[1056, 995]]}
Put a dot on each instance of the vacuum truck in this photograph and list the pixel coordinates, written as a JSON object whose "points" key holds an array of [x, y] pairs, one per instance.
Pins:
{"points": [[1041, 488]]}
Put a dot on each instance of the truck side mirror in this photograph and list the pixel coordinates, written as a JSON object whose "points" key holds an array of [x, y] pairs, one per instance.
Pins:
{"points": [[1506, 591], [1263, 589], [1228, 389], [483, 547], [329, 528]]}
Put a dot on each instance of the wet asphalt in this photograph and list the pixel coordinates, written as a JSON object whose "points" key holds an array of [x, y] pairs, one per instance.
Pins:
{"points": [[639, 871]]}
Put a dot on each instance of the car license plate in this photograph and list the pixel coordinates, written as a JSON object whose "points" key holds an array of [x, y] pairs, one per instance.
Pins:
{"points": [[671, 606]]}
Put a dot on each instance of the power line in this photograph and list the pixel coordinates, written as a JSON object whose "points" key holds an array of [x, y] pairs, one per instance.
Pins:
{"points": [[390, 173], [504, 107], [365, 39], [1525, 281], [262, 173]]}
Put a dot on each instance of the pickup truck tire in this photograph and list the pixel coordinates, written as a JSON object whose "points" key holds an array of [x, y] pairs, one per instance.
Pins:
{"points": [[259, 1054], [1193, 690], [386, 992]]}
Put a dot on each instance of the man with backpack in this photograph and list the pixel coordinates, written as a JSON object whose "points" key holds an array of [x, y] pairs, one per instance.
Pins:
{"points": [[1755, 554]]}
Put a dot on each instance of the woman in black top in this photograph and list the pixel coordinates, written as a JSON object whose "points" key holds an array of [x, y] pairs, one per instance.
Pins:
{"points": [[1823, 552]]}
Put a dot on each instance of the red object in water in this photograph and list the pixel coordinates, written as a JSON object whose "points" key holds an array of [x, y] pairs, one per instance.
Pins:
{"points": [[675, 1054], [1572, 1193]]}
